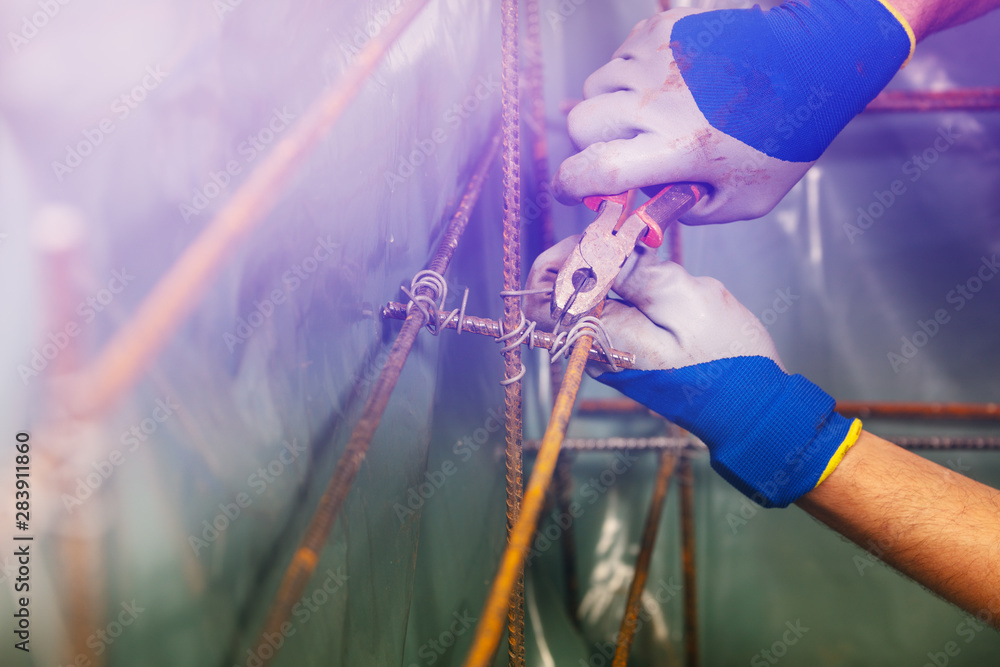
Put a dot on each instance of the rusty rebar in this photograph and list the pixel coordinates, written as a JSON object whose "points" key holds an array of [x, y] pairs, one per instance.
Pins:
{"points": [[686, 480], [862, 409], [133, 347], [490, 627], [912, 410], [630, 620], [689, 446], [487, 327], [535, 92], [307, 554], [512, 316], [921, 101]]}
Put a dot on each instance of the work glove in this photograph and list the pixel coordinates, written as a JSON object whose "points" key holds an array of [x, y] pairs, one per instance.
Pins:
{"points": [[742, 100], [706, 363]]}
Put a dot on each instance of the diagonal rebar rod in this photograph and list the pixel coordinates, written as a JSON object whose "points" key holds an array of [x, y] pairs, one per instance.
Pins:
{"points": [[306, 555], [133, 348], [491, 621], [630, 621]]}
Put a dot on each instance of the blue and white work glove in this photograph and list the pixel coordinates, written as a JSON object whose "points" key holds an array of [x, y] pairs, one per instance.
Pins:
{"points": [[707, 364], [743, 100]]}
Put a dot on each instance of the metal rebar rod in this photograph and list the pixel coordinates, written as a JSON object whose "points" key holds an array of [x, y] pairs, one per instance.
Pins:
{"points": [[690, 445], [863, 409], [535, 90], [676, 444], [692, 650], [307, 554], [487, 327], [630, 620], [961, 99], [899, 410], [512, 316], [491, 620], [133, 348]]}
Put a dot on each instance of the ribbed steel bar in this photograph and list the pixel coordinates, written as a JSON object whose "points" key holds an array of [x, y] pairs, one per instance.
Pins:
{"points": [[535, 92], [487, 327], [863, 409], [509, 91], [692, 446], [961, 99], [491, 620], [676, 444], [692, 650], [629, 622], [306, 556], [913, 410], [133, 348]]}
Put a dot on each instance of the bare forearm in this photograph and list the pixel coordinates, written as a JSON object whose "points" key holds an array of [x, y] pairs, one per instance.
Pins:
{"points": [[938, 527], [929, 16]]}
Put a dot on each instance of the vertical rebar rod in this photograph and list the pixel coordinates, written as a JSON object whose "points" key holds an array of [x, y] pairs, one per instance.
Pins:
{"points": [[512, 304], [629, 621], [692, 653], [535, 92], [307, 554], [491, 621], [134, 347]]}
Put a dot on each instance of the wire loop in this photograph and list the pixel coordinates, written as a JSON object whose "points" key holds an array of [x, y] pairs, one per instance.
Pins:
{"points": [[431, 304]]}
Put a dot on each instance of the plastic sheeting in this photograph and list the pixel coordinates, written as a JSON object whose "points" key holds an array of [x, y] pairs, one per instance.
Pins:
{"points": [[265, 410], [267, 377]]}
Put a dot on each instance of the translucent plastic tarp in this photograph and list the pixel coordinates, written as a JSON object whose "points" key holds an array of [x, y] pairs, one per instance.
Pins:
{"points": [[175, 104]]}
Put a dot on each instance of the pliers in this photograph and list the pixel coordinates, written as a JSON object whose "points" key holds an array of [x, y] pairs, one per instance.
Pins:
{"points": [[592, 266]]}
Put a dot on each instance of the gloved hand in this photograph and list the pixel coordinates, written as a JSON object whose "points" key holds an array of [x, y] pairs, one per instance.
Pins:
{"points": [[743, 100], [707, 364]]}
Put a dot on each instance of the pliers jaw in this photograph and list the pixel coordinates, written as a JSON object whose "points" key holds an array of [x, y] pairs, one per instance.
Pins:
{"points": [[591, 268]]}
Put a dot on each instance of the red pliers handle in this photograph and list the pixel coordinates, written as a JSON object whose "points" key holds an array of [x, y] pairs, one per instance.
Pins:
{"points": [[589, 271], [662, 209]]}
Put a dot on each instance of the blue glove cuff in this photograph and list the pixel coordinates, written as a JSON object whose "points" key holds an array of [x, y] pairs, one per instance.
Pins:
{"points": [[770, 434], [787, 81]]}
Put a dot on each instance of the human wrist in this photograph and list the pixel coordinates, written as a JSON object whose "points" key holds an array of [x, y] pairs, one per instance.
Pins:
{"points": [[770, 434]]}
